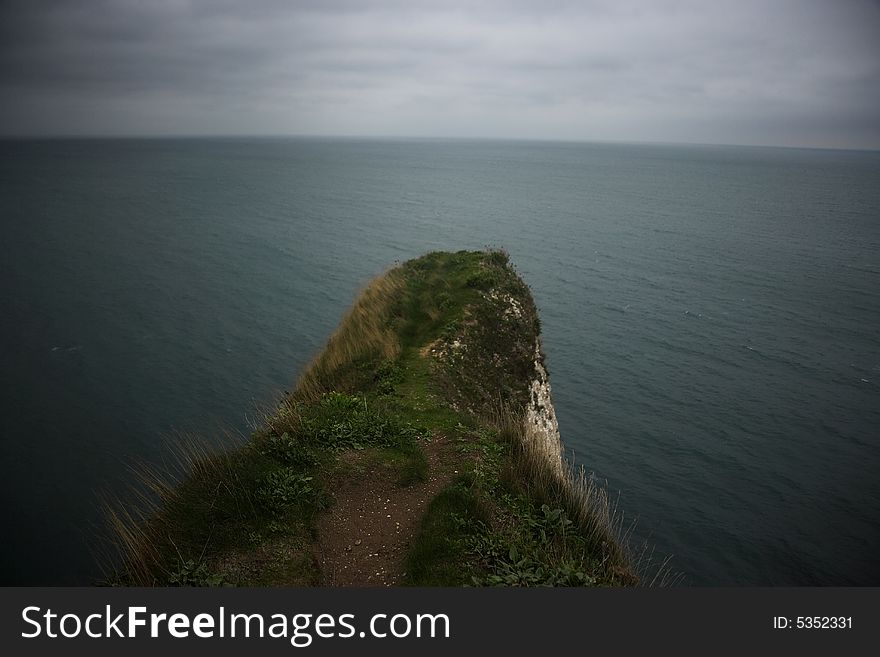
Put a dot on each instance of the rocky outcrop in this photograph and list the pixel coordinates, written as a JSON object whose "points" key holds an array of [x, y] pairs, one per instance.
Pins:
{"points": [[540, 414]]}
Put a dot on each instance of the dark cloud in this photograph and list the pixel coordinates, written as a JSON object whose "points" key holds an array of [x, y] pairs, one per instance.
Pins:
{"points": [[791, 72]]}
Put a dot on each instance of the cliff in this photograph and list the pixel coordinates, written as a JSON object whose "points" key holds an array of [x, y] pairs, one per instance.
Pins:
{"points": [[420, 447]]}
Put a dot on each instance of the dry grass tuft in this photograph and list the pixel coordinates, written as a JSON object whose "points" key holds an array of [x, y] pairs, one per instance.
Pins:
{"points": [[544, 475], [139, 531], [366, 331]]}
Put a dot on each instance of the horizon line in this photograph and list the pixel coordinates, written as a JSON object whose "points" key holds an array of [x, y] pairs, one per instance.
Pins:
{"points": [[281, 136]]}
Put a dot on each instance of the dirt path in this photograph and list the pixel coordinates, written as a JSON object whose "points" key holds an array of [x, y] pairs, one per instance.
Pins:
{"points": [[363, 538]]}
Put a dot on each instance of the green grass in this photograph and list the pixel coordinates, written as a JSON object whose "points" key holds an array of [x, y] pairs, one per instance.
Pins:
{"points": [[432, 348], [506, 523], [452, 518], [272, 487]]}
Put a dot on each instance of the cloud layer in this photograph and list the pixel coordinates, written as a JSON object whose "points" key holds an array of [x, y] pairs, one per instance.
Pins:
{"points": [[788, 72]]}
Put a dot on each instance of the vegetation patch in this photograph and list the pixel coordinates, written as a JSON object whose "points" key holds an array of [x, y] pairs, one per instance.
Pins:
{"points": [[453, 519], [488, 530]]}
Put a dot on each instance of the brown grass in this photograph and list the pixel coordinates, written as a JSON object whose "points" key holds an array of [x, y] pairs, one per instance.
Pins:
{"points": [[366, 331], [538, 473], [138, 531]]}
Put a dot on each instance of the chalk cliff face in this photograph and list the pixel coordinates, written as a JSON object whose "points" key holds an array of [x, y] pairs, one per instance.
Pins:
{"points": [[540, 414], [494, 357]]}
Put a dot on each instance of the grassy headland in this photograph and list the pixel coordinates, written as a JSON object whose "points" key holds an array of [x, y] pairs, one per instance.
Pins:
{"points": [[430, 402]]}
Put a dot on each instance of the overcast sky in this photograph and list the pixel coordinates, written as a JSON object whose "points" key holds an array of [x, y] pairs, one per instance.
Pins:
{"points": [[795, 73]]}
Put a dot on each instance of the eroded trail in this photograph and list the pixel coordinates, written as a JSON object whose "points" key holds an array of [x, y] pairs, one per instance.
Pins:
{"points": [[363, 538]]}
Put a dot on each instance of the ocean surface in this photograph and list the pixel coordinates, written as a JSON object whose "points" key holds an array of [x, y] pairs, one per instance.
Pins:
{"points": [[711, 319]]}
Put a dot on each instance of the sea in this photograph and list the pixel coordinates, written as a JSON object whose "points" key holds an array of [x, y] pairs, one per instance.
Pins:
{"points": [[711, 319]]}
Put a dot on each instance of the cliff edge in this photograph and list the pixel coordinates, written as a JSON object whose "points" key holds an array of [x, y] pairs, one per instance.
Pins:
{"points": [[420, 447]]}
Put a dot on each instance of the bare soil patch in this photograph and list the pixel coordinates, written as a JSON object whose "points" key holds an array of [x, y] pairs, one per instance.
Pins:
{"points": [[363, 538]]}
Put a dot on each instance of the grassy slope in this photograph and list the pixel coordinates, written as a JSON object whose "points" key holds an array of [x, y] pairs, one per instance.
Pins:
{"points": [[431, 348]]}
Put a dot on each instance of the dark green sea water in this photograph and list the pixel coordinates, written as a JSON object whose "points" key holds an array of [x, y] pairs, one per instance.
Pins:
{"points": [[711, 317]]}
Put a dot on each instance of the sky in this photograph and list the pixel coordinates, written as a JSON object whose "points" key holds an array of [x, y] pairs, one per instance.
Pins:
{"points": [[771, 72]]}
